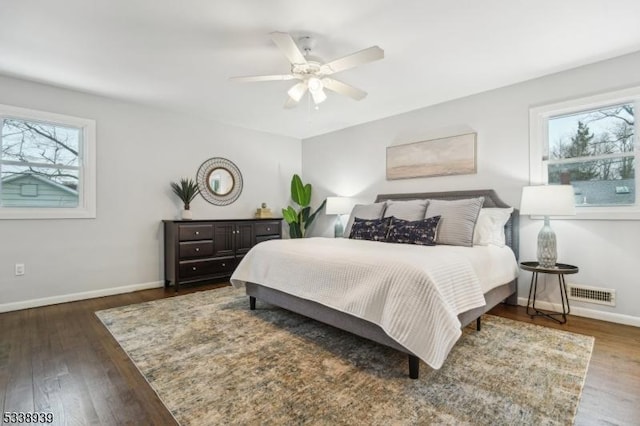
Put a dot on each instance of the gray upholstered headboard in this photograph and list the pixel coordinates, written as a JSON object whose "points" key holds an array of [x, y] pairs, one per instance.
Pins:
{"points": [[491, 199]]}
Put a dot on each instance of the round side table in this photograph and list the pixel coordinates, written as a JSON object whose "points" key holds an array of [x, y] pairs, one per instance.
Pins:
{"points": [[560, 269]]}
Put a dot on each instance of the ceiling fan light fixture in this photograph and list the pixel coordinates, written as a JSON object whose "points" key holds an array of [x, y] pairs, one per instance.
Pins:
{"points": [[297, 91], [318, 96], [315, 84]]}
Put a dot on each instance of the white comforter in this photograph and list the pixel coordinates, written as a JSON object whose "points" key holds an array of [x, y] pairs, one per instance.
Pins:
{"points": [[414, 293]]}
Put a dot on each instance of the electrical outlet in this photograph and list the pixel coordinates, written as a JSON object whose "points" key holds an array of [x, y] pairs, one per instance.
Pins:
{"points": [[19, 268]]}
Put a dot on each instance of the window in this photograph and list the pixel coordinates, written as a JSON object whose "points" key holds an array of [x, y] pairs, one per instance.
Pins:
{"points": [[47, 165], [590, 143]]}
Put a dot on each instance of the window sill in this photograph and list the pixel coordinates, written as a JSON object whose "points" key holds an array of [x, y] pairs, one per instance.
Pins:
{"points": [[596, 213], [44, 213]]}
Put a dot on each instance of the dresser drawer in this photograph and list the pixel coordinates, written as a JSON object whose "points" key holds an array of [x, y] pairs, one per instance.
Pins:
{"points": [[267, 228], [196, 268], [196, 249], [195, 232]]}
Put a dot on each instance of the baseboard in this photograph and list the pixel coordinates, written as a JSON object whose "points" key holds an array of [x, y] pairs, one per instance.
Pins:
{"points": [[587, 313], [34, 303], [53, 300]]}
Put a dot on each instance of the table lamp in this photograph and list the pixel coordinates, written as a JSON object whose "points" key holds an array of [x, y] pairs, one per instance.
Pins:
{"points": [[338, 206], [547, 200]]}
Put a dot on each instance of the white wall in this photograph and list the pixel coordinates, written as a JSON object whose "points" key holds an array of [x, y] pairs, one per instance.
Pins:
{"points": [[139, 151], [351, 162]]}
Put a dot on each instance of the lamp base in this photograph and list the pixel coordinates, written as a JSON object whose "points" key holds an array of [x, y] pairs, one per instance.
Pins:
{"points": [[547, 248], [339, 228]]}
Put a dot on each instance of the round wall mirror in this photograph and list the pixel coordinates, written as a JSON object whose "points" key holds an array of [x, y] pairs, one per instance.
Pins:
{"points": [[219, 181]]}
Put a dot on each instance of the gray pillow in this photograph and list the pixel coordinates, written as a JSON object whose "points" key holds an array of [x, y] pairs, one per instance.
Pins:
{"points": [[364, 211], [411, 210], [457, 220]]}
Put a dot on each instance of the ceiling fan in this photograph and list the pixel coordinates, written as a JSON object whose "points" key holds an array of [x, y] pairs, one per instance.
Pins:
{"points": [[312, 73]]}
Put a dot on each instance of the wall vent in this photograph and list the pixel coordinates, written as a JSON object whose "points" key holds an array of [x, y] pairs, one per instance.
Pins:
{"points": [[601, 296]]}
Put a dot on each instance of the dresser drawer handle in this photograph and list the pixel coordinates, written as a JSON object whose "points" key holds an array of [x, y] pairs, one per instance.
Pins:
{"points": [[224, 264], [268, 229], [197, 232], [194, 268], [197, 248]]}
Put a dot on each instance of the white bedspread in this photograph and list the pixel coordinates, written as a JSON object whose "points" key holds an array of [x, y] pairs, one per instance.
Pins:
{"points": [[414, 293]]}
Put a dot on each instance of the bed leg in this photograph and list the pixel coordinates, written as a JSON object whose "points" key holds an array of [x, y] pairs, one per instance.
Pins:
{"points": [[252, 303], [478, 324], [414, 366]]}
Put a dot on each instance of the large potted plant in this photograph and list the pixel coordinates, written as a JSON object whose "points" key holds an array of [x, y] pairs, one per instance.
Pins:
{"points": [[186, 190], [300, 219]]}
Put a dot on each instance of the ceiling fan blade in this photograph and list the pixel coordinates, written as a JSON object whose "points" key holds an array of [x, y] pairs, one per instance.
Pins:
{"points": [[297, 91], [290, 103], [289, 47], [370, 54], [343, 88], [252, 78]]}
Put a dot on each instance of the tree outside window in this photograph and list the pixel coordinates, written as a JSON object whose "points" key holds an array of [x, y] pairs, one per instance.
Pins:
{"points": [[42, 154], [47, 165], [594, 150]]}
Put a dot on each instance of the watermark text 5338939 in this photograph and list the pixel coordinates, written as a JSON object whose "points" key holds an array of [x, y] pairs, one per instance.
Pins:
{"points": [[19, 417]]}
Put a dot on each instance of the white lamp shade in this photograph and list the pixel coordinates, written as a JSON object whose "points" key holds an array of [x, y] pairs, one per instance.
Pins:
{"points": [[548, 200], [339, 205]]}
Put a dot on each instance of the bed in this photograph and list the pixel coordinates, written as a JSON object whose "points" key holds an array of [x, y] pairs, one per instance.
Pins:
{"points": [[448, 295]]}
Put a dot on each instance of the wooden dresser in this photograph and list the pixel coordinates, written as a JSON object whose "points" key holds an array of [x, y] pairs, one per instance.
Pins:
{"points": [[208, 250]]}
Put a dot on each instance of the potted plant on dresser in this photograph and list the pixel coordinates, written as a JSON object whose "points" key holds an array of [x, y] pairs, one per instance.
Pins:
{"points": [[186, 190]]}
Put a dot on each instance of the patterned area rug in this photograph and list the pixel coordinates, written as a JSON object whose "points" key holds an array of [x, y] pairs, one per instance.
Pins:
{"points": [[213, 361]]}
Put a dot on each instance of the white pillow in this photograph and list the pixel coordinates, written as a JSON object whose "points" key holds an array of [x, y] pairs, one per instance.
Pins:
{"points": [[490, 226]]}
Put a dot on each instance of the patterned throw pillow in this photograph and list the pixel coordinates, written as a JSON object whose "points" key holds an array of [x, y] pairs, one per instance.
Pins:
{"points": [[369, 229], [364, 211], [421, 232]]}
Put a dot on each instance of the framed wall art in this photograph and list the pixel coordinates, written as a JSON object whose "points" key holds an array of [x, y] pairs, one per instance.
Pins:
{"points": [[454, 155]]}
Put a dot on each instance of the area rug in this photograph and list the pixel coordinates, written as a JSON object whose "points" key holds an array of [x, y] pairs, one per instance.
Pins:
{"points": [[213, 361]]}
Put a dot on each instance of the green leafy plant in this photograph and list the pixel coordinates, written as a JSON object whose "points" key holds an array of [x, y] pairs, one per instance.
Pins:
{"points": [[299, 220], [186, 190]]}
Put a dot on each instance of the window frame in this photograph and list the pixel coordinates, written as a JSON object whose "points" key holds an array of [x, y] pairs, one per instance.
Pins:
{"points": [[538, 139], [86, 208]]}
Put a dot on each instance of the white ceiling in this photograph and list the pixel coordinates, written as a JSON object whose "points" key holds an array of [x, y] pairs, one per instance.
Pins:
{"points": [[180, 54]]}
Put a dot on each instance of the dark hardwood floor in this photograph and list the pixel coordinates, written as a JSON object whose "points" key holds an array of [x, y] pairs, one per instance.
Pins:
{"points": [[61, 359]]}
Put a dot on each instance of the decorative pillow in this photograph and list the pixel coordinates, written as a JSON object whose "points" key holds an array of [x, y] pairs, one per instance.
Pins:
{"points": [[490, 226], [369, 229], [406, 210], [457, 220], [364, 211], [421, 232]]}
